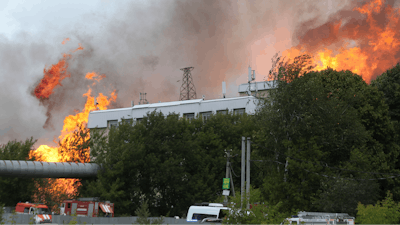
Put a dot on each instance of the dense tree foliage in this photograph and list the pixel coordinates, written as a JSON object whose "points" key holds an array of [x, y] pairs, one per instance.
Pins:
{"points": [[169, 162], [389, 84], [321, 141], [13, 189], [315, 121], [383, 212]]}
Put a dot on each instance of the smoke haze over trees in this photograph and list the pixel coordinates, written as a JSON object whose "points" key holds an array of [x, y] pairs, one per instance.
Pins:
{"points": [[140, 47]]}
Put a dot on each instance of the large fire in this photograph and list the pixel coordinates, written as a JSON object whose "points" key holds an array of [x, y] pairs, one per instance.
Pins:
{"points": [[367, 45], [53, 76], [71, 143], [71, 125]]}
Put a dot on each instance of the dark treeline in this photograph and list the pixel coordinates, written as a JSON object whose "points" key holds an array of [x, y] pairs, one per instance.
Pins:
{"points": [[13, 189], [167, 161], [324, 141]]}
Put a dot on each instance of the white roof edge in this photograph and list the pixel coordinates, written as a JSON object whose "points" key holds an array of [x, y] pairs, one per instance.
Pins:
{"points": [[261, 86], [174, 103]]}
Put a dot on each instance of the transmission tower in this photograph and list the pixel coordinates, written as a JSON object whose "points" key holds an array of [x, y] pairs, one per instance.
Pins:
{"points": [[188, 91]]}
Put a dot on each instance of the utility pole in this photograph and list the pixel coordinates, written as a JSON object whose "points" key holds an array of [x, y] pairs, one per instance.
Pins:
{"points": [[248, 173], [242, 177], [232, 186], [245, 176], [227, 170]]}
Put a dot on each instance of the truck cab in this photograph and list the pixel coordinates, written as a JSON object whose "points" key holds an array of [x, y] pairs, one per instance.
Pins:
{"points": [[41, 212]]}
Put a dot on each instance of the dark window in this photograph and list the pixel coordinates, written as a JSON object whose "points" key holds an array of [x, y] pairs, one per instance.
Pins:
{"points": [[223, 213], [202, 216], [189, 116], [112, 123], [129, 121], [206, 116], [173, 115], [222, 112], [239, 111], [69, 205]]}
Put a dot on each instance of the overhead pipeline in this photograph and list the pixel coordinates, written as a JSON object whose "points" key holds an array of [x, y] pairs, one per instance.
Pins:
{"points": [[36, 169]]}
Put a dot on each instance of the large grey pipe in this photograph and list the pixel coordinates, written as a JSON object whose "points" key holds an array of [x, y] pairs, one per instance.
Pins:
{"points": [[36, 169]]}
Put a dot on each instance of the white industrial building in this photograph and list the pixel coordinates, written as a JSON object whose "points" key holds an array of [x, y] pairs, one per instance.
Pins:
{"points": [[188, 108], [253, 88]]}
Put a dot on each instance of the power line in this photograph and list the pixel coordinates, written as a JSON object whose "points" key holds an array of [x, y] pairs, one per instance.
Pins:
{"points": [[327, 176], [233, 172], [331, 167]]}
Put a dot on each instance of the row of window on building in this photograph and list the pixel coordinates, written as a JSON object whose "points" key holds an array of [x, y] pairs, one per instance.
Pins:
{"points": [[204, 115]]}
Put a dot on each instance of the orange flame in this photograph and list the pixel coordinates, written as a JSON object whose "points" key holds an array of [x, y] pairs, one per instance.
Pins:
{"points": [[65, 41], [79, 48], [94, 76], [53, 76], [71, 123], [57, 190], [367, 49]]}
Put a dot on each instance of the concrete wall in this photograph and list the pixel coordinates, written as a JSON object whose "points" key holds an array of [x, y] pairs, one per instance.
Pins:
{"points": [[9, 218]]}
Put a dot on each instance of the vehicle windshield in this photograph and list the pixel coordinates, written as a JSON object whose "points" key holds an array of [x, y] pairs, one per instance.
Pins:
{"points": [[223, 213], [200, 217], [42, 211]]}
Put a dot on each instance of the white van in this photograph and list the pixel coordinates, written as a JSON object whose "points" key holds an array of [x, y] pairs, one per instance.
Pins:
{"points": [[207, 212]]}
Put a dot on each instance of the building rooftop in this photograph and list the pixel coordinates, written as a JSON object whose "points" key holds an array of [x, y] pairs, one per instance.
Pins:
{"points": [[174, 103], [259, 86], [195, 107]]}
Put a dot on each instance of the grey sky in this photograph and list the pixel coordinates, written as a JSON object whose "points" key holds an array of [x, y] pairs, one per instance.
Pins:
{"points": [[140, 46]]}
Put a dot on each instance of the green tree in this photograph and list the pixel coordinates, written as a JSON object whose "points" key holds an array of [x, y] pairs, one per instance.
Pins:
{"points": [[169, 161], [261, 212], [144, 214], [389, 84], [312, 117], [384, 212], [14, 189], [343, 195]]}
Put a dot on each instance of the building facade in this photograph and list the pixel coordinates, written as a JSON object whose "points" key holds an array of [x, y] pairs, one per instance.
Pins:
{"points": [[189, 109]]}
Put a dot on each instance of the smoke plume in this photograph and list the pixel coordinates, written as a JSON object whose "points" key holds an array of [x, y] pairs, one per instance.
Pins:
{"points": [[141, 48]]}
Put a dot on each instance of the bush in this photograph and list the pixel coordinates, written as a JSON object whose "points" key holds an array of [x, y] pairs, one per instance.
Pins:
{"points": [[385, 212], [261, 212]]}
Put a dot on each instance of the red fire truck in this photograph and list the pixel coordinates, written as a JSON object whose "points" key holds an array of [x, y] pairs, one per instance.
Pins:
{"points": [[41, 212], [87, 207]]}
